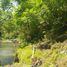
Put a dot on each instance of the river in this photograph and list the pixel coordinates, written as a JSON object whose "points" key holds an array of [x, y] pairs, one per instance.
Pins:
{"points": [[7, 53]]}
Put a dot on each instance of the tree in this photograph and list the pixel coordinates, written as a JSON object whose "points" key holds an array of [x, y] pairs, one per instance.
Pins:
{"points": [[34, 19]]}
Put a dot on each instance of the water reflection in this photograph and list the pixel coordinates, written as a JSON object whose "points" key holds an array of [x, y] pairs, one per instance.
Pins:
{"points": [[7, 53]]}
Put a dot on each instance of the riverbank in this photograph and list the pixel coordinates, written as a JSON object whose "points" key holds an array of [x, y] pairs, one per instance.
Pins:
{"points": [[56, 56]]}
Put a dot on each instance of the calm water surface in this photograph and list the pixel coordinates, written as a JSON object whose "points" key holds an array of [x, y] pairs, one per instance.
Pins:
{"points": [[7, 53]]}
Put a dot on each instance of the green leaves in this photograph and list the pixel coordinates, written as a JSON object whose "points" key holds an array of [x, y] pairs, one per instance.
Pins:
{"points": [[35, 18], [4, 4], [38, 2]]}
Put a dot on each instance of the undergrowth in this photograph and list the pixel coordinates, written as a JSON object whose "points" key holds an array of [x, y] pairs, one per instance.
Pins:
{"points": [[54, 57]]}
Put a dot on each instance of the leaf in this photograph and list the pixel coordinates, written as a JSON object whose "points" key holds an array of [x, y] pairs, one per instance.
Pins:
{"points": [[38, 2]]}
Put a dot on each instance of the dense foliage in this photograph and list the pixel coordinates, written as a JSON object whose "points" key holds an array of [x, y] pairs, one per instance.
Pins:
{"points": [[33, 20], [38, 24]]}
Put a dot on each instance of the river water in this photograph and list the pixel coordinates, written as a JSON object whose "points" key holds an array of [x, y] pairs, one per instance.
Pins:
{"points": [[7, 53]]}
